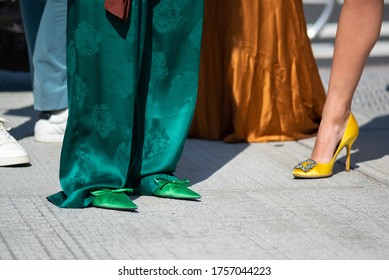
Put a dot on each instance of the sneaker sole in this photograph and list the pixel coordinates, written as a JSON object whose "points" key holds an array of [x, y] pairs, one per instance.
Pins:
{"points": [[14, 161], [48, 138]]}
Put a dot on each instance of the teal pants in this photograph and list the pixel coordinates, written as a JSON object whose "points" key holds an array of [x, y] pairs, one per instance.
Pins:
{"points": [[45, 28], [132, 93]]}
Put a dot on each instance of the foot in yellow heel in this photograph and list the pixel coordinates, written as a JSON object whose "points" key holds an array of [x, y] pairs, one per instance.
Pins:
{"points": [[312, 169]]}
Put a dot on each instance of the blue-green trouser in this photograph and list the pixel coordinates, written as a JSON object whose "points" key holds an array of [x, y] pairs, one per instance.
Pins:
{"points": [[45, 28], [132, 94]]}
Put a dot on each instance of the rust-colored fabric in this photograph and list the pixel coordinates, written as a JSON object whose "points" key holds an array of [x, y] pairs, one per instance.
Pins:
{"points": [[119, 8], [258, 80]]}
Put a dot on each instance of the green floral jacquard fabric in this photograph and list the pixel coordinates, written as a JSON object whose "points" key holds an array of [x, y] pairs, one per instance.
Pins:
{"points": [[132, 93]]}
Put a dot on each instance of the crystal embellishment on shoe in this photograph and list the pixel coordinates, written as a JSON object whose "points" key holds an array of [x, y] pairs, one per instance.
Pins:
{"points": [[306, 165], [11, 153], [308, 169], [115, 199], [178, 188], [51, 126]]}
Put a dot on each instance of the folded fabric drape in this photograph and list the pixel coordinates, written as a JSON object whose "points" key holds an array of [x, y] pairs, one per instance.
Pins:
{"points": [[119, 8], [259, 80]]}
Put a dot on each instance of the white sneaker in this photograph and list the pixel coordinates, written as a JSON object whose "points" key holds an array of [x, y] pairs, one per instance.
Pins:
{"points": [[11, 153], [50, 126]]}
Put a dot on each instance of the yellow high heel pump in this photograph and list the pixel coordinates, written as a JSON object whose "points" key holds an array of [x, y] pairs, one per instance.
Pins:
{"points": [[312, 169]]}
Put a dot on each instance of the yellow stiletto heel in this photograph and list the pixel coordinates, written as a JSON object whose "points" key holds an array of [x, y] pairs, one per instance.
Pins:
{"points": [[347, 166], [348, 158], [312, 169]]}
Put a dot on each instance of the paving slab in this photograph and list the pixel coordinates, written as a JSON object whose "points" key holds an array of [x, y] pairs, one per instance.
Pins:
{"points": [[251, 207]]}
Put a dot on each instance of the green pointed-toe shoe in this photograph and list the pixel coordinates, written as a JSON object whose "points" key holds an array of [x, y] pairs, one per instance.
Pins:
{"points": [[115, 199], [177, 188]]}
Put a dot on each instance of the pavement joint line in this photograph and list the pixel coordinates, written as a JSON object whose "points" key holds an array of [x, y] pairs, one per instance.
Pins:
{"points": [[371, 179]]}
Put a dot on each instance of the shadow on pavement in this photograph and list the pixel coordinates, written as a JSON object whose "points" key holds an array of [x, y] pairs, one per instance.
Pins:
{"points": [[202, 158], [372, 143], [26, 129]]}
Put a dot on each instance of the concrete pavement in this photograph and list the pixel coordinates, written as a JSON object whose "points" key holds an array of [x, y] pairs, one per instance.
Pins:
{"points": [[251, 208]]}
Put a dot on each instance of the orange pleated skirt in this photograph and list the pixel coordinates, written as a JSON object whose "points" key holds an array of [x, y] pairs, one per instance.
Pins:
{"points": [[258, 80]]}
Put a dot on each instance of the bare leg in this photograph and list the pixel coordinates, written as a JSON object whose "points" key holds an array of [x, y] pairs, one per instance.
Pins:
{"points": [[358, 30]]}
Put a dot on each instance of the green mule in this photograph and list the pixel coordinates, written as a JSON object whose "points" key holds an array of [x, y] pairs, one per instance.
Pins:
{"points": [[115, 199], [178, 189]]}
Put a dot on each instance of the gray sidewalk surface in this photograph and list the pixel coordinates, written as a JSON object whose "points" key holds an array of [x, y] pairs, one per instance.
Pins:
{"points": [[251, 207]]}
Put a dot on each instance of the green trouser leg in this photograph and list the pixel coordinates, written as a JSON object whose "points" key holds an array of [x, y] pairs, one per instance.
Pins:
{"points": [[171, 92], [132, 92]]}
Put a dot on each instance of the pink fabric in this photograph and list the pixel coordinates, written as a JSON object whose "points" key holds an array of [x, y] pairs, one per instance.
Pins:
{"points": [[119, 8]]}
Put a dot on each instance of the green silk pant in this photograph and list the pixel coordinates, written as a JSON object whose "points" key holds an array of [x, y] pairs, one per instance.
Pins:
{"points": [[132, 93]]}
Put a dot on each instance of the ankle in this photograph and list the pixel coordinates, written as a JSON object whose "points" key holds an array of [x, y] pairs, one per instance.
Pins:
{"points": [[336, 117], [45, 115], [330, 133]]}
